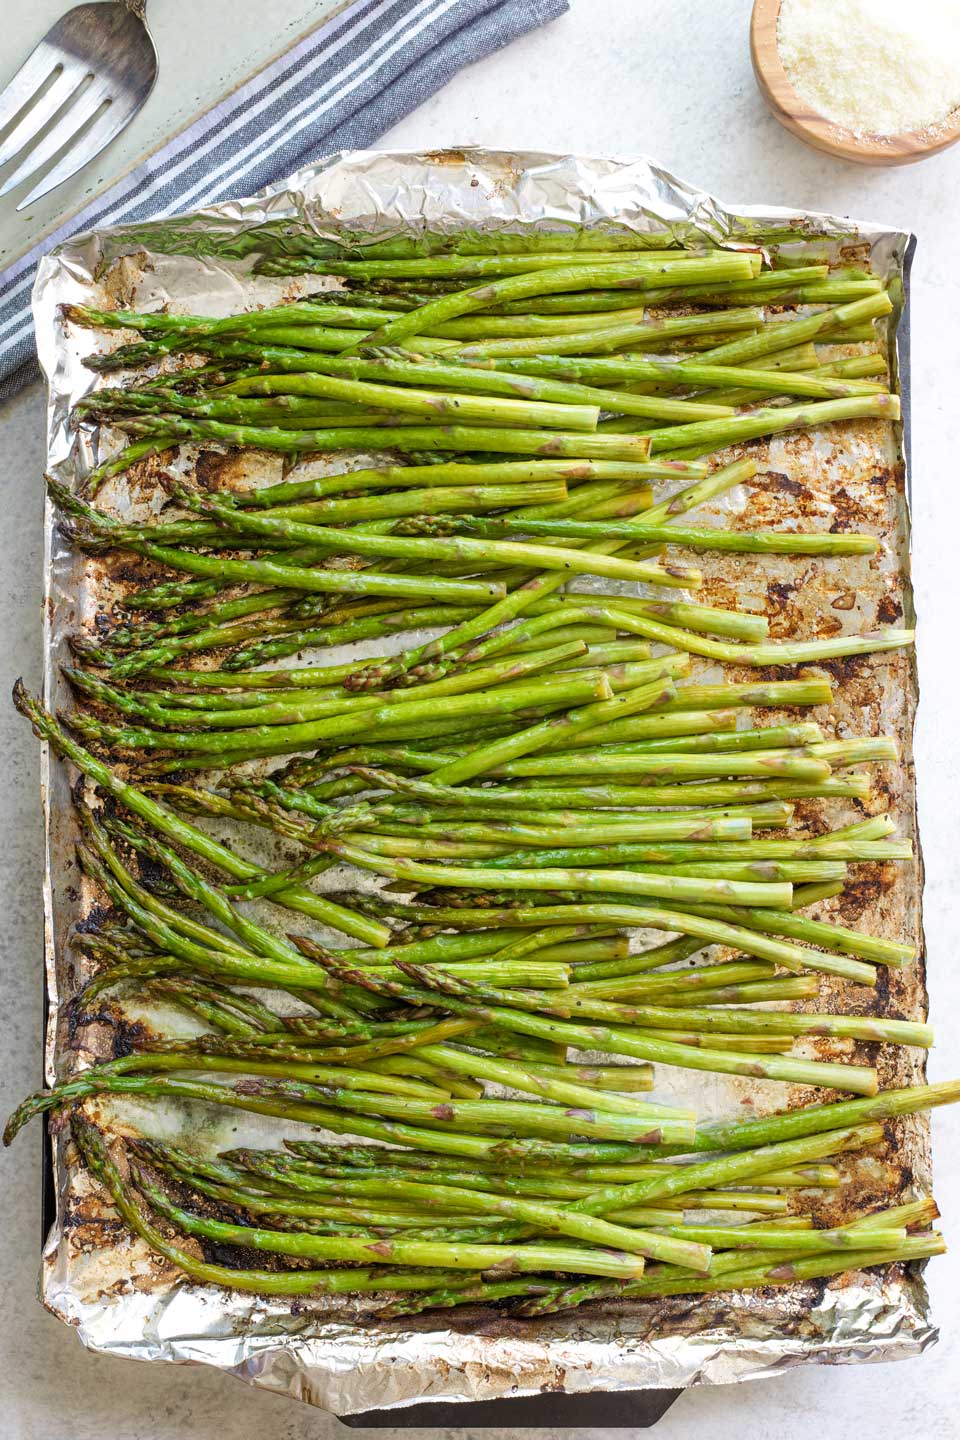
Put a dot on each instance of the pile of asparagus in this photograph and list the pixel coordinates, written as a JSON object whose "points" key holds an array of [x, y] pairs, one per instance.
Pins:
{"points": [[537, 783]]}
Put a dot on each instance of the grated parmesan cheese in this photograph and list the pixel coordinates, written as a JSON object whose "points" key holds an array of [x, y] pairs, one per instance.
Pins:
{"points": [[876, 67]]}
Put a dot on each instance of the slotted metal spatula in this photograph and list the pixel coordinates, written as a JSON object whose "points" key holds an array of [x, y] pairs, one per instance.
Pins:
{"points": [[74, 94]]}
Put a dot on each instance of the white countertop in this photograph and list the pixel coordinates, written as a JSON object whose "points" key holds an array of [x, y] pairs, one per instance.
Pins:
{"points": [[671, 79]]}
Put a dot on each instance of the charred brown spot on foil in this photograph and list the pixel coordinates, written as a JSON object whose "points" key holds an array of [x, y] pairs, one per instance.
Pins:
{"points": [[786, 616], [852, 512], [846, 667], [122, 568], [107, 1032], [889, 610], [864, 886], [777, 481], [89, 1232], [881, 990], [855, 252], [144, 475], [93, 920], [131, 1037], [808, 816], [209, 470]]}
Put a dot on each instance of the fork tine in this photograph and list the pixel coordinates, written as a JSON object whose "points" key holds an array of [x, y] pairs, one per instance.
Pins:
{"points": [[109, 125], [72, 73], [38, 67], [63, 133]]}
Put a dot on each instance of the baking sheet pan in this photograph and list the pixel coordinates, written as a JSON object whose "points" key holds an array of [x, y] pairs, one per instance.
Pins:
{"points": [[119, 1299]]}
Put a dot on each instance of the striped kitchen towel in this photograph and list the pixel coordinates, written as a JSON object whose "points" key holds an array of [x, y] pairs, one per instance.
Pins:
{"points": [[340, 88]]}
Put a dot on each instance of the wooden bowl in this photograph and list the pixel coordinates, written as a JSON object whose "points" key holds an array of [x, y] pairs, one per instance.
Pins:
{"points": [[795, 114]]}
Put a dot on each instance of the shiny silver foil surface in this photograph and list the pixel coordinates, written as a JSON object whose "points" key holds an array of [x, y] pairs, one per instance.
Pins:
{"points": [[123, 1300]]}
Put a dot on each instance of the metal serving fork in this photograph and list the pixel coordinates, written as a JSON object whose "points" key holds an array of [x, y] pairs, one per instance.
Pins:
{"points": [[89, 76]]}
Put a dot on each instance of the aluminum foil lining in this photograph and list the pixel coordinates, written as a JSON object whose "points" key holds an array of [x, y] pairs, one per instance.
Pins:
{"points": [[331, 1353]]}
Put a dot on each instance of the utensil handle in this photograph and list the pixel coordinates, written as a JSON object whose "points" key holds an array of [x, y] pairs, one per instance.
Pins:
{"points": [[138, 7]]}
